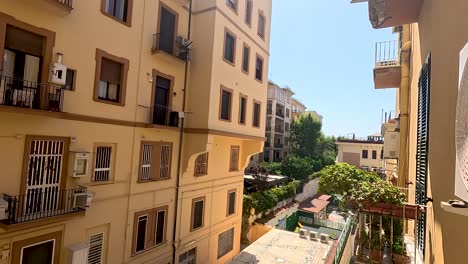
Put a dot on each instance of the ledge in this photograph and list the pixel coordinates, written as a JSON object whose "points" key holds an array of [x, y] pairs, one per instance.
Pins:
{"points": [[453, 207], [40, 222]]}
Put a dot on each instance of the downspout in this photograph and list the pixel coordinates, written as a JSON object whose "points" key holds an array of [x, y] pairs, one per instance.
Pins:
{"points": [[181, 138], [404, 105]]}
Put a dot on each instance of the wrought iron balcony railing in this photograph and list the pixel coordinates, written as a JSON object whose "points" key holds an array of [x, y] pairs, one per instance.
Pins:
{"points": [[278, 145], [387, 54], [67, 3], [279, 129], [175, 48], [163, 115], [27, 94], [42, 203]]}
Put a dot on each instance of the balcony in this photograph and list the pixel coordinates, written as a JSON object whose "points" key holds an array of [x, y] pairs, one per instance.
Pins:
{"points": [[279, 130], [27, 94], [42, 203], [269, 111], [267, 144], [280, 113], [278, 145], [387, 69], [179, 49], [162, 115], [391, 13]]}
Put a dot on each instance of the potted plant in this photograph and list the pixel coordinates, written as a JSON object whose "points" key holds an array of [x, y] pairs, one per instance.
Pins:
{"points": [[376, 250], [399, 253]]}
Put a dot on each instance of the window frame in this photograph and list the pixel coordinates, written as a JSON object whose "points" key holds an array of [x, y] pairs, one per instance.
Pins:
{"points": [[205, 172], [231, 92], [257, 56], [236, 4], [111, 162], [192, 218], [235, 202], [374, 154], [226, 32], [243, 96], [248, 21], [100, 54], [73, 85], [150, 234], [245, 46], [176, 24], [255, 102], [155, 174], [231, 169], [262, 35], [367, 154], [231, 232], [128, 21]]}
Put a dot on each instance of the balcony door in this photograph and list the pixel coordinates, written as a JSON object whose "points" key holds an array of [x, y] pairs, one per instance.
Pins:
{"points": [[41, 253], [167, 29], [161, 109], [43, 180]]}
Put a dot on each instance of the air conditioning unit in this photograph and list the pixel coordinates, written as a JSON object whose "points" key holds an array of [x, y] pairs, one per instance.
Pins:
{"points": [[183, 41], [58, 71], [303, 233], [324, 238], [3, 208], [314, 235], [391, 145], [80, 168], [82, 200]]}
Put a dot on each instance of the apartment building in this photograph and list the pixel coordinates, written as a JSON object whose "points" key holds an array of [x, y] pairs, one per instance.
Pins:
{"points": [[297, 108], [278, 123], [125, 127], [428, 67], [366, 154]]}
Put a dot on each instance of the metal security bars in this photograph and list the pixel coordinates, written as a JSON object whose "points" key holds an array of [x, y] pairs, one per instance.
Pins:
{"points": [[146, 161], [201, 164], [387, 54], [422, 149], [165, 161], [68, 3], [41, 203], [102, 167], [27, 94]]}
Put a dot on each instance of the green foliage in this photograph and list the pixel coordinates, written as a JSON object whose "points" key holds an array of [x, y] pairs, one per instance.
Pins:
{"points": [[264, 200], [376, 243], [298, 168], [268, 199], [305, 132], [247, 204], [399, 247], [272, 167], [357, 187]]}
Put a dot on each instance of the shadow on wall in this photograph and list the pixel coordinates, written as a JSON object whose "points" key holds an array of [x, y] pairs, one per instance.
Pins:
{"points": [[310, 189], [245, 257]]}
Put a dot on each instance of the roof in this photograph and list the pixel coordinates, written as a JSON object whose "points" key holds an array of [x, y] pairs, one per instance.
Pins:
{"points": [[358, 141], [315, 204], [270, 178], [279, 246]]}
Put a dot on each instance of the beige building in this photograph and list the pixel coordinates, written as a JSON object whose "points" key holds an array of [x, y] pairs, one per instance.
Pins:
{"points": [[428, 68], [278, 123], [297, 108], [125, 127], [362, 153]]}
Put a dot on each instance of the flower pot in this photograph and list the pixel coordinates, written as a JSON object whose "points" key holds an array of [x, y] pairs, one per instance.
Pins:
{"points": [[400, 259], [376, 255]]}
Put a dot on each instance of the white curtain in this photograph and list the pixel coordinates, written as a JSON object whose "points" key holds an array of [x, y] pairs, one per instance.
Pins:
{"points": [[31, 68], [7, 70]]}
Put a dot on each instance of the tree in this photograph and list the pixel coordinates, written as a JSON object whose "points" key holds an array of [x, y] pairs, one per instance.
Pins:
{"points": [[272, 167], [305, 133], [299, 168]]}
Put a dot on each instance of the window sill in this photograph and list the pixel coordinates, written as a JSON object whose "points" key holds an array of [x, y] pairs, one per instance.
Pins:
{"points": [[153, 180], [97, 183], [167, 55], [200, 175], [108, 102], [139, 253], [196, 229], [128, 24], [233, 64]]}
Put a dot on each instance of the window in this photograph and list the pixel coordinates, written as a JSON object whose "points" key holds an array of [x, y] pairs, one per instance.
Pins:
{"points": [[232, 4], [261, 25], [381, 154], [149, 229], [248, 12], [259, 68], [198, 208], [165, 39], [242, 109], [225, 106], [256, 114], [188, 257], [234, 159], [225, 242], [364, 154], [229, 47], [287, 112], [70, 80], [231, 203], [374, 154], [245, 59], [155, 161], [120, 10], [111, 78], [103, 163], [95, 249], [201, 164]]}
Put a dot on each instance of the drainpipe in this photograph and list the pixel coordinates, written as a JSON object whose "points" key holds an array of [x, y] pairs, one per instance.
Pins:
{"points": [[181, 138], [404, 103]]}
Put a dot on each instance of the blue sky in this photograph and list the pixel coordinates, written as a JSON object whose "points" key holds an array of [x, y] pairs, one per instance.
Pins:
{"points": [[324, 51]]}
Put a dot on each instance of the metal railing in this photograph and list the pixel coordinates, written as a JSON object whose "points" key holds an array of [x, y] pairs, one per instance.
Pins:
{"points": [[68, 3], [387, 53], [165, 43], [279, 129], [40, 203], [280, 114], [163, 115], [267, 144], [27, 94], [343, 239], [278, 145]]}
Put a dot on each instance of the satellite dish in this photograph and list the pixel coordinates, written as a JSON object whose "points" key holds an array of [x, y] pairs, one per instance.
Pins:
{"points": [[461, 128]]}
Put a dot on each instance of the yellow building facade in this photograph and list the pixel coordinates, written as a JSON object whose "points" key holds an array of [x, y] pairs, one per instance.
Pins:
{"points": [[427, 71], [125, 127]]}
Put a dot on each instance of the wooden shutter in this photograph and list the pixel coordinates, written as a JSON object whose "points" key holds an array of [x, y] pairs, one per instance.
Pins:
{"points": [[165, 161], [234, 159], [96, 242], [422, 148], [111, 71], [201, 164]]}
